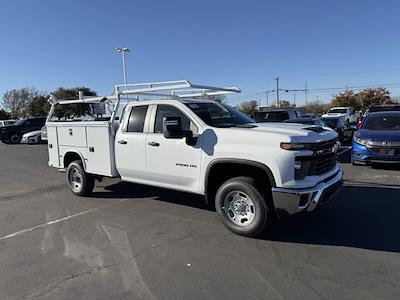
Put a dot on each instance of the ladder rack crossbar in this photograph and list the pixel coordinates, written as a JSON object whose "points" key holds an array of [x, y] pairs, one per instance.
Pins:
{"points": [[176, 89]]}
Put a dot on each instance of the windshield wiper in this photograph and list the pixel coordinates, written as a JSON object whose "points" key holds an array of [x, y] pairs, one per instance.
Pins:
{"points": [[246, 125]]}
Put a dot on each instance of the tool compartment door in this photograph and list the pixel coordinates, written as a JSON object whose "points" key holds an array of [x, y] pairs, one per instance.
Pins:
{"points": [[52, 139], [74, 136], [100, 154]]}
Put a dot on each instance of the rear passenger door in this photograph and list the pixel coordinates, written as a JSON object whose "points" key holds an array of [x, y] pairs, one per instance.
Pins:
{"points": [[130, 144]]}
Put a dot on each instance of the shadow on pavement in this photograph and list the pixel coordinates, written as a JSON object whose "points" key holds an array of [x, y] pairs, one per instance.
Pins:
{"points": [[131, 190], [345, 158], [359, 217]]}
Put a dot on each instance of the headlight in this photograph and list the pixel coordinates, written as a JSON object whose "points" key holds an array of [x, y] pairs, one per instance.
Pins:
{"points": [[295, 146], [361, 141], [43, 133]]}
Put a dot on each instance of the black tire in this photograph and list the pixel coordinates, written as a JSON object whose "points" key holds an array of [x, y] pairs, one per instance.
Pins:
{"points": [[79, 182], [15, 139], [260, 213]]}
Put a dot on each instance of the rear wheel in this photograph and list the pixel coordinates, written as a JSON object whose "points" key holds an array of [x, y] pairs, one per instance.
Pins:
{"points": [[15, 139], [242, 207], [79, 182]]}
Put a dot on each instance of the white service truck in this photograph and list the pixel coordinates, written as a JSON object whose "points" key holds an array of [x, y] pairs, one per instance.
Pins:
{"points": [[254, 173]]}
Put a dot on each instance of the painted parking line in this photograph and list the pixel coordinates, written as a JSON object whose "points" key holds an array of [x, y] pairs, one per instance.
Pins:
{"points": [[26, 230], [354, 183]]}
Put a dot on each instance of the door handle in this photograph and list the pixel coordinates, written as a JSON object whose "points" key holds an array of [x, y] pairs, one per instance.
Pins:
{"points": [[154, 144], [122, 142]]}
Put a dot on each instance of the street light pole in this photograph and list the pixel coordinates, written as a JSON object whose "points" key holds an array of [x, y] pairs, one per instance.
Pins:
{"points": [[122, 51], [277, 92]]}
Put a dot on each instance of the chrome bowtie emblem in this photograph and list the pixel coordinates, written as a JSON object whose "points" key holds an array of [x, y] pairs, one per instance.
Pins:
{"points": [[386, 143]]}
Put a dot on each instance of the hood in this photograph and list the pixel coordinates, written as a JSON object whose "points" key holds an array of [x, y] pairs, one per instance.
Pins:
{"points": [[379, 135], [293, 132], [32, 133], [9, 128]]}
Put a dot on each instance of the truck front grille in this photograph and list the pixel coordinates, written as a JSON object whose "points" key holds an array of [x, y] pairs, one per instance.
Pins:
{"points": [[323, 160], [322, 163]]}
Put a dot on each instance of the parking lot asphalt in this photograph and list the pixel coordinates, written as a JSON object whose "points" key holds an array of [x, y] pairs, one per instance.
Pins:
{"points": [[131, 241]]}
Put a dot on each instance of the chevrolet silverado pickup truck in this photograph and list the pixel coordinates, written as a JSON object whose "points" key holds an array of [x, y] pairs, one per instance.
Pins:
{"points": [[253, 173]]}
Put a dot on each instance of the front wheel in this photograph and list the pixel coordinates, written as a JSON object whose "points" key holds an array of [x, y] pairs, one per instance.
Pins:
{"points": [[15, 139], [242, 207], [79, 182]]}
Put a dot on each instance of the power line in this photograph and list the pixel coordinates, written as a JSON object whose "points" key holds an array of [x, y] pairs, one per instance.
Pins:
{"points": [[393, 84]]}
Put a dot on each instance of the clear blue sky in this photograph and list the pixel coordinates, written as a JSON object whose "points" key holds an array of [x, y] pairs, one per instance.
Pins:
{"points": [[48, 44]]}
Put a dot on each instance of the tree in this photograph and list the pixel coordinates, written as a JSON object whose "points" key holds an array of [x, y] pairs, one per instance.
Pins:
{"points": [[17, 100], [39, 106], [248, 107], [371, 96], [4, 115], [347, 99], [317, 107], [285, 104], [63, 111], [363, 99]]}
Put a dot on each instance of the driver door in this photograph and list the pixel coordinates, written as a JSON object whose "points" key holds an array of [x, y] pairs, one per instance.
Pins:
{"points": [[172, 162]]}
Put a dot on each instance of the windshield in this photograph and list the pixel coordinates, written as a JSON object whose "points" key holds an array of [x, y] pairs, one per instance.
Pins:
{"points": [[337, 111], [331, 122], [384, 108], [382, 122], [20, 122], [219, 115], [271, 116]]}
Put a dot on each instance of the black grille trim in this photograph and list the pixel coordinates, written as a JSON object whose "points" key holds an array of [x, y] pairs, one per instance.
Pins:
{"points": [[320, 162]]}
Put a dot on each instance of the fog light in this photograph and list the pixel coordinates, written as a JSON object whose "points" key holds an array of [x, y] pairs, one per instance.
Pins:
{"points": [[297, 165]]}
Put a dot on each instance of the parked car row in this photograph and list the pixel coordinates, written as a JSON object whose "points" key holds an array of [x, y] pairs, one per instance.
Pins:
{"points": [[335, 120], [23, 130]]}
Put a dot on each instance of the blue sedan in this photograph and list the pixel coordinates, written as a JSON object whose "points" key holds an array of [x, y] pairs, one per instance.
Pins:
{"points": [[378, 139]]}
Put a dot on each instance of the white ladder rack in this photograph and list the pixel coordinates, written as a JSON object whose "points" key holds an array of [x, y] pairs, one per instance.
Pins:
{"points": [[178, 89]]}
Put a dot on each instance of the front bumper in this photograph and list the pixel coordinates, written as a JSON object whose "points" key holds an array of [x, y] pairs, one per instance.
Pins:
{"points": [[292, 201], [363, 154]]}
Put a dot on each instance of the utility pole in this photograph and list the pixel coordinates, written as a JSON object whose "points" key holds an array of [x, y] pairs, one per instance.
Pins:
{"points": [[294, 99], [305, 92], [277, 92]]}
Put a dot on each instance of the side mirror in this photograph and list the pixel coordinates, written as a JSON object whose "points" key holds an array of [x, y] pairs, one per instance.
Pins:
{"points": [[172, 129]]}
